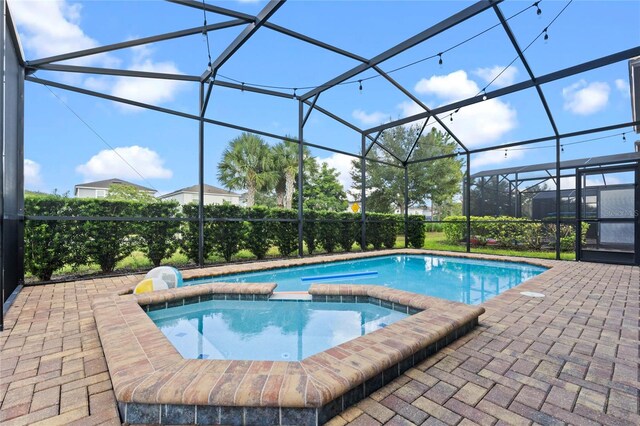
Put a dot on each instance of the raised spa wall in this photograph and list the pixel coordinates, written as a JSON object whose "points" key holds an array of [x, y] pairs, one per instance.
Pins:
{"points": [[153, 383]]}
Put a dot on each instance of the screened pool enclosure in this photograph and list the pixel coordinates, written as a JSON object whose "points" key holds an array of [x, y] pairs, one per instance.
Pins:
{"points": [[567, 192]]}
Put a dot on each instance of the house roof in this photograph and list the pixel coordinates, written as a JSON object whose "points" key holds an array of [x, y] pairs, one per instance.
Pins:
{"points": [[208, 189], [105, 184]]}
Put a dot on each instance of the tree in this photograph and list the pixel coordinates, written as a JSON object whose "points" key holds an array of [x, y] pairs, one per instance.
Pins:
{"points": [[247, 164], [437, 180], [126, 192], [285, 156], [285, 159], [324, 191]]}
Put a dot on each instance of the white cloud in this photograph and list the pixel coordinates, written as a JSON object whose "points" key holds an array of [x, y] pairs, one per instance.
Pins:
{"points": [[145, 90], [109, 164], [49, 28], [450, 87], [32, 176], [370, 119], [507, 78], [475, 125], [623, 87], [584, 98], [342, 163], [98, 84], [52, 27], [494, 158]]}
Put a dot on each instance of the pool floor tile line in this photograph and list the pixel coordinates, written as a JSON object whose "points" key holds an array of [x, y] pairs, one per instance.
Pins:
{"points": [[582, 337]]}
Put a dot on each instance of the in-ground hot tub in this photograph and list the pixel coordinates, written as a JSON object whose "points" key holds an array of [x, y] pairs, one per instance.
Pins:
{"points": [[278, 330], [154, 383]]}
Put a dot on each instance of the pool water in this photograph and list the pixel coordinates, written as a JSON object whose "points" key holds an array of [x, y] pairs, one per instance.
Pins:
{"points": [[267, 330], [463, 280]]}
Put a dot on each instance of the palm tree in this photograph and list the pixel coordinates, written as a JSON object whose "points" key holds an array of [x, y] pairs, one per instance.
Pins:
{"points": [[285, 156], [247, 163]]}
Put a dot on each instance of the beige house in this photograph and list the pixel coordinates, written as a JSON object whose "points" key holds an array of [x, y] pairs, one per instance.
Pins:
{"points": [[212, 195], [100, 188]]}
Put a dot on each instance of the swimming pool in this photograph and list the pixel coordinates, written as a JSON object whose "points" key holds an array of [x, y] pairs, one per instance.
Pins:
{"points": [[267, 330], [464, 280]]}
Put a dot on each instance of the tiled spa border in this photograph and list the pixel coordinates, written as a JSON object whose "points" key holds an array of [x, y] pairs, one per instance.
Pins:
{"points": [[154, 384]]}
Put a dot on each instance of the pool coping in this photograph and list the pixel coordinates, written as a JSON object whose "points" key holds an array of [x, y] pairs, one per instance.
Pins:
{"points": [[153, 383]]}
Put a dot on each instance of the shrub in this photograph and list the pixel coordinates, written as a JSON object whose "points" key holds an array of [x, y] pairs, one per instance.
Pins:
{"points": [[454, 228], [48, 244], [285, 234], [329, 231], [159, 239], [258, 235], [190, 234], [374, 234], [390, 227], [226, 235], [105, 242], [349, 230], [310, 230], [511, 232], [415, 231], [433, 226]]}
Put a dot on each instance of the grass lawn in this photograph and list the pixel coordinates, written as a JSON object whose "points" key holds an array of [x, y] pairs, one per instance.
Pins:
{"points": [[437, 241]]}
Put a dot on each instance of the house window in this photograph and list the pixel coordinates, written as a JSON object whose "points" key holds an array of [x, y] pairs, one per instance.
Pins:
{"points": [[101, 193]]}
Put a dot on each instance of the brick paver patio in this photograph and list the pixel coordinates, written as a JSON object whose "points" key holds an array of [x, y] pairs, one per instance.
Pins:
{"points": [[571, 357]]}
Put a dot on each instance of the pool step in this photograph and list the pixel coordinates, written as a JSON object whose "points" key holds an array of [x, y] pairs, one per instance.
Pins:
{"points": [[290, 295]]}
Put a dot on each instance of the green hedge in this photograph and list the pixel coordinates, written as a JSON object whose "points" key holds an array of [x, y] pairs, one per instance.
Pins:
{"points": [[51, 245], [511, 232], [258, 236]]}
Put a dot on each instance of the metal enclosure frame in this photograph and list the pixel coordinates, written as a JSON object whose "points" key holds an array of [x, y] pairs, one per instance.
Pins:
{"points": [[308, 101], [12, 181], [605, 255]]}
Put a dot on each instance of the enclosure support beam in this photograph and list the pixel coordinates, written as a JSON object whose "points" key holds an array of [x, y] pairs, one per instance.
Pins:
{"points": [[117, 72], [373, 142], [262, 17], [201, 179], [313, 104], [578, 242], [547, 110], [415, 143], [205, 104], [300, 177], [406, 203], [518, 206], [547, 78], [558, 199], [137, 42], [363, 196], [562, 136], [282, 30], [422, 105], [467, 213], [12, 180], [438, 28], [182, 114]]}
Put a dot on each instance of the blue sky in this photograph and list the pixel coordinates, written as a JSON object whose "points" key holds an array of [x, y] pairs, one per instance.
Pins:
{"points": [[61, 151]]}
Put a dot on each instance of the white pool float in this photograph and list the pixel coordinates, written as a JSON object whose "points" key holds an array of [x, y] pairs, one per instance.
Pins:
{"points": [[168, 274], [150, 284]]}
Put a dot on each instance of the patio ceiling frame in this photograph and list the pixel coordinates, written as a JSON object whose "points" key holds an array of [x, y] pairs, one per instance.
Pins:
{"points": [[253, 24]]}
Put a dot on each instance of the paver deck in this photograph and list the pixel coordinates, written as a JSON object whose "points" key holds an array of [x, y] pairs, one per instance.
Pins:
{"points": [[571, 357]]}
